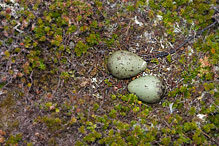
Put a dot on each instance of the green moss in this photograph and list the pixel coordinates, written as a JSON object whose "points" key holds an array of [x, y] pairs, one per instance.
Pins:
{"points": [[52, 142], [96, 107], [52, 123], [82, 129], [13, 140], [108, 82], [113, 113], [169, 58], [208, 86], [214, 118], [80, 48], [166, 140], [122, 119], [189, 126], [91, 137], [192, 111], [8, 109]]}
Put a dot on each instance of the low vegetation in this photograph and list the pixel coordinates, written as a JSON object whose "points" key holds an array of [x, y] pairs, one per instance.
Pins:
{"points": [[55, 88]]}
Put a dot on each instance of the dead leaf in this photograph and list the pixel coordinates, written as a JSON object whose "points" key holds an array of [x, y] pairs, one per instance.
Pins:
{"points": [[4, 78], [204, 62], [24, 23], [94, 71], [2, 139], [4, 22], [8, 10], [5, 33], [49, 95], [78, 110], [213, 51], [52, 107], [33, 27], [20, 74], [182, 48], [2, 132], [84, 81], [119, 85]]}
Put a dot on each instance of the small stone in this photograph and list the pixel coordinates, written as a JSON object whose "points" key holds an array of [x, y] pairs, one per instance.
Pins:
{"points": [[124, 64], [71, 45], [149, 88]]}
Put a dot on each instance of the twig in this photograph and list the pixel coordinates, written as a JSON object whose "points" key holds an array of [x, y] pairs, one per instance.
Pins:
{"points": [[128, 28], [209, 137], [31, 79], [172, 51], [192, 37]]}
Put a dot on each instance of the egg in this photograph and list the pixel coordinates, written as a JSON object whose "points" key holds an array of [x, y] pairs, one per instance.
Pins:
{"points": [[149, 89], [125, 64]]}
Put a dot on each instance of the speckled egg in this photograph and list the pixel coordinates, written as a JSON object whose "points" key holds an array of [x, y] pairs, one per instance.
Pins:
{"points": [[124, 64], [149, 88]]}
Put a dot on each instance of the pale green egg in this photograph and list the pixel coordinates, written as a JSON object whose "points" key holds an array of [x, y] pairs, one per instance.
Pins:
{"points": [[124, 64], [149, 88]]}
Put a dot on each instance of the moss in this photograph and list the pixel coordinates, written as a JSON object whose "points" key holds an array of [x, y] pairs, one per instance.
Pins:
{"points": [[52, 142], [13, 140], [52, 123], [8, 109], [120, 119]]}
